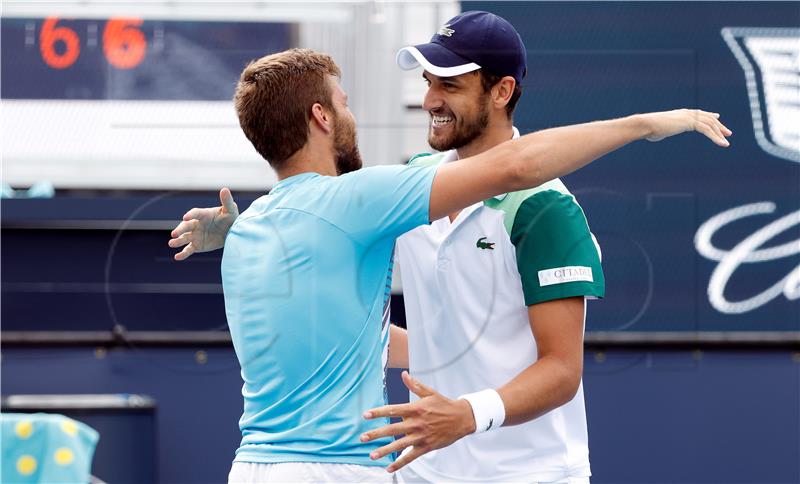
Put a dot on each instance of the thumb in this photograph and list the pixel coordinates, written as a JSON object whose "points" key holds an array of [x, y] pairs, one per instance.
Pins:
{"points": [[226, 199], [415, 386]]}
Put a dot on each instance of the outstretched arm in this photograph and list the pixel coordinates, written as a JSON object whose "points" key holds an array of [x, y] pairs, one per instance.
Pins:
{"points": [[518, 164], [539, 157]]}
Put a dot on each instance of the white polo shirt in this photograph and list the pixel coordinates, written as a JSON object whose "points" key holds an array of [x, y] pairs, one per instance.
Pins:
{"points": [[467, 286]]}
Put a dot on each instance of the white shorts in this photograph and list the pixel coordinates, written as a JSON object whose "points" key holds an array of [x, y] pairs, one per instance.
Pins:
{"points": [[407, 476], [252, 473]]}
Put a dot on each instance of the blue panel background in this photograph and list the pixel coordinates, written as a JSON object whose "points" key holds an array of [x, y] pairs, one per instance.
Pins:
{"points": [[654, 417], [589, 61], [70, 279]]}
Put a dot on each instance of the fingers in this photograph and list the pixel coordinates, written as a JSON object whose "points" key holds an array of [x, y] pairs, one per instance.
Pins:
{"points": [[185, 253], [396, 446], [711, 134], [724, 129], [715, 127], [192, 214], [415, 386], [400, 410], [184, 227], [179, 241], [707, 130], [406, 458], [712, 119], [399, 428], [226, 199], [716, 131]]}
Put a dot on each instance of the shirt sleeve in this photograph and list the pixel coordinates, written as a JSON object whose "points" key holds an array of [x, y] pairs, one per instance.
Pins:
{"points": [[382, 201], [557, 256]]}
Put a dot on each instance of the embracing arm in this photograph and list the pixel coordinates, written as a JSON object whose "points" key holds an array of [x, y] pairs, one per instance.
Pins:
{"points": [[204, 229], [435, 421], [398, 347], [539, 157], [517, 164]]}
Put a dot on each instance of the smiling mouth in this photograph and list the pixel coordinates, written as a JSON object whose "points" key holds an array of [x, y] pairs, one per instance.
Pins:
{"points": [[441, 121]]}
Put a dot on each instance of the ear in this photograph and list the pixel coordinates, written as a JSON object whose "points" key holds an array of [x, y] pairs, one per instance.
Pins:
{"points": [[502, 91], [321, 118]]}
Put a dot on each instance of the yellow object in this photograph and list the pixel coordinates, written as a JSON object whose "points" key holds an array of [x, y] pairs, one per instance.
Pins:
{"points": [[26, 465], [69, 427], [64, 456], [45, 448], [24, 429]]}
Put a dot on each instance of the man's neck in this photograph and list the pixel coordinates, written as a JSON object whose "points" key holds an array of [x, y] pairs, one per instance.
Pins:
{"points": [[491, 137], [308, 160]]}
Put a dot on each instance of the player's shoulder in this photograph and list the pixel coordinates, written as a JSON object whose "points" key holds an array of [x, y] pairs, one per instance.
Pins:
{"points": [[425, 159], [258, 208], [551, 200], [365, 177]]}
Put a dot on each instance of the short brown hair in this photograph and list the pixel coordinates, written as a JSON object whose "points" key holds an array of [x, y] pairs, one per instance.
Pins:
{"points": [[274, 97], [488, 80]]}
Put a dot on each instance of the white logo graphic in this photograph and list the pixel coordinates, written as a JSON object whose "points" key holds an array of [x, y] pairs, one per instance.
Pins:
{"points": [[446, 31], [561, 275], [749, 250], [770, 58]]}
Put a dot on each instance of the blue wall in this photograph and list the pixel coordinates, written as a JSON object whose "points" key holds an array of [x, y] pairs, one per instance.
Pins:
{"points": [[654, 416], [601, 60]]}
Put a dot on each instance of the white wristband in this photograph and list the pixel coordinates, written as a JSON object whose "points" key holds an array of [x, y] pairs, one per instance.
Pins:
{"points": [[488, 409]]}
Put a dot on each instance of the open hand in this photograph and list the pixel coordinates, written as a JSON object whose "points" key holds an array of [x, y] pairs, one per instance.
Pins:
{"points": [[204, 229], [669, 123], [432, 422]]}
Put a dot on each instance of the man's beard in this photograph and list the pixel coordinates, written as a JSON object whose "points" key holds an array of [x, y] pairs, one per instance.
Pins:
{"points": [[347, 156], [464, 134]]}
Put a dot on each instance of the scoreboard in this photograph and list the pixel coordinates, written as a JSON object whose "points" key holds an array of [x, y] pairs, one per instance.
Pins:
{"points": [[130, 58], [130, 102]]}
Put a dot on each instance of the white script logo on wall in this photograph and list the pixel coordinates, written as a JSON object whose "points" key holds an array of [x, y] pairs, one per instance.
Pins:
{"points": [[750, 250], [770, 58]]}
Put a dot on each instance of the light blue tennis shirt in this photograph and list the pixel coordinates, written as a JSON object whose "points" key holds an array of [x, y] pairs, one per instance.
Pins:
{"points": [[307, 274]]}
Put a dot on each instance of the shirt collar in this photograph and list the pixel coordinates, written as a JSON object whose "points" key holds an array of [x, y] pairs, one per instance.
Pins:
{"points": [[293, 179]]}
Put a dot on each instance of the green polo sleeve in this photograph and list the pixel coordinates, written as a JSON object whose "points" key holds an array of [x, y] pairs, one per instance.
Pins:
{"points": [[557, 257]]}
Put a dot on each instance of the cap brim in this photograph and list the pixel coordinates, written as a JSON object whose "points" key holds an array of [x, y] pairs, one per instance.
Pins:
{"points": [[435, 59]]}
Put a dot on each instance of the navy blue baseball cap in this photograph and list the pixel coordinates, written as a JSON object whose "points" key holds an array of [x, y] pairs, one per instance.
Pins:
{"points": [[470, 41]]}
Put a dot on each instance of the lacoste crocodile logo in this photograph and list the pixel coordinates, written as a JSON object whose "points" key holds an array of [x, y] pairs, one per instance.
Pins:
{"points": [[446, 31], [484, 245]]}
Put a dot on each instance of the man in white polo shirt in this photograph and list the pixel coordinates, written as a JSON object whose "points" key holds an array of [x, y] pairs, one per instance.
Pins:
{"points": [[494, 295]]}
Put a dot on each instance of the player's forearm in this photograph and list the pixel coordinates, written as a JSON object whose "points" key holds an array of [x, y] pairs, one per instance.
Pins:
{"points": [[398, 347], [528, 161], [539, 157], [552, 153], [545, 385]]}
